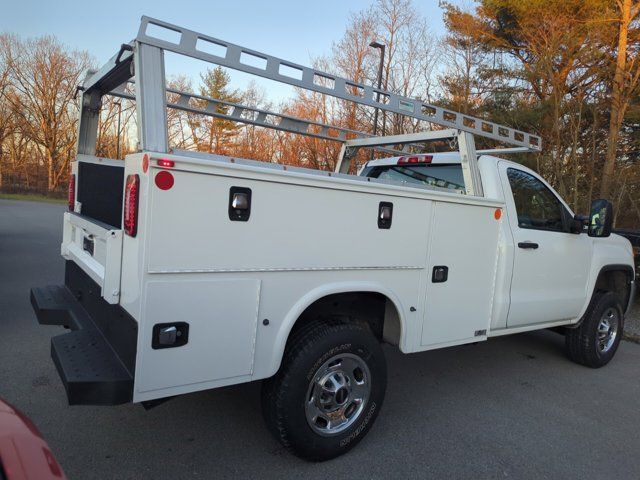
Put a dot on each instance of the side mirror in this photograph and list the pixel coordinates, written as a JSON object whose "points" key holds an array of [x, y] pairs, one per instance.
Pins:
{"points": [[600, 218], [576, 225]]}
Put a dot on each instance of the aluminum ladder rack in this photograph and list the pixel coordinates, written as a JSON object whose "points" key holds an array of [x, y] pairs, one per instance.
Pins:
{"points": [[143, 59]]}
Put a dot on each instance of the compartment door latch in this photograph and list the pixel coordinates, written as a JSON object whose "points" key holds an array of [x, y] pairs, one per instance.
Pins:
{"points": [[170, 335]]}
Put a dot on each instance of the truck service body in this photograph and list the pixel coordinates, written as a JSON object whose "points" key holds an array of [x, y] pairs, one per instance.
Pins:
{"points": [[189, 271]]}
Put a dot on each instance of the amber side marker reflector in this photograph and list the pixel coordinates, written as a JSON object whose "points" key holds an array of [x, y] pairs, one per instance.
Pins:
{"points": [[497, 214]]}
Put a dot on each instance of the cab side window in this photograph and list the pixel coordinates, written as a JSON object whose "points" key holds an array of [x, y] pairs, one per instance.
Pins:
{"points": [[537, 207]]}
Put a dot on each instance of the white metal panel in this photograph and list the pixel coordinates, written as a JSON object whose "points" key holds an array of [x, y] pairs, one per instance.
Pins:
{"points": [[98, 161], [284, 296], [222, 316], [134, 248], [291, 227], [264, 171], [607, 251], [493, 189], [308, 236], [103, 265], [464, 238]]}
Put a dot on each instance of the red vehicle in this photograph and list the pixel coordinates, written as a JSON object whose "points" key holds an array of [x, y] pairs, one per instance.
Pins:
{"points": [[24, 455]]}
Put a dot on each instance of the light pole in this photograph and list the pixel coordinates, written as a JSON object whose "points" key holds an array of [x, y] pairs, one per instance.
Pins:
{"points": [[380, 47]]}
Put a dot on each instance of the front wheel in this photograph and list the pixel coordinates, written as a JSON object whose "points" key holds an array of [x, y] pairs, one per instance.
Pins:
{"points": [[595, 341], [328, 392]]}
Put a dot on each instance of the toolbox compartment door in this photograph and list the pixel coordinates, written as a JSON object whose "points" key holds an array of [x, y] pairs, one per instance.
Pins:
{"points": [[222, 319]]}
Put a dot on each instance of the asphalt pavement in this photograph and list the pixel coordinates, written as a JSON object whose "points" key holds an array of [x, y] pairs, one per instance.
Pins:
{"points": [[512, 407]]}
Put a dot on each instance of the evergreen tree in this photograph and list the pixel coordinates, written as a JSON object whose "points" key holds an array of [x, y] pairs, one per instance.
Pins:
{"points": [[218, 135]]}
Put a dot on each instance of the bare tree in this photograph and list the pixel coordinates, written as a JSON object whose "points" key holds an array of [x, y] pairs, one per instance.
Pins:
{"points": [[6, 114], [44, 78], [252, 141], [354, 58]]}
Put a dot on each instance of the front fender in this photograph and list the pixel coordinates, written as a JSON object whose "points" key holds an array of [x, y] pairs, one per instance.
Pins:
{"points": [[609, 254]]}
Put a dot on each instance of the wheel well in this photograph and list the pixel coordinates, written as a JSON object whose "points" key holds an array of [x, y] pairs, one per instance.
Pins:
{"points": [[371, 308], [617, 280]]}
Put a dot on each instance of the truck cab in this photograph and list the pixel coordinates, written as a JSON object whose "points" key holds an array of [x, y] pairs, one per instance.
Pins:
{"points": [[548, 263]]}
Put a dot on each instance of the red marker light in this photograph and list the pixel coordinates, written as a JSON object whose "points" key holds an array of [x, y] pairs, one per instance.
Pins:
{"points": [[163, 162], [415, 159]]}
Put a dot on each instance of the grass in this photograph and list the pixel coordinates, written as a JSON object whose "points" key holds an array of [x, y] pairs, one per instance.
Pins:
{"points": [[32, 197]]}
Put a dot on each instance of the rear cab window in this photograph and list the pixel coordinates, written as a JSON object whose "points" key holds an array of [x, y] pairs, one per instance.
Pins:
{"points": [[443, 175]]}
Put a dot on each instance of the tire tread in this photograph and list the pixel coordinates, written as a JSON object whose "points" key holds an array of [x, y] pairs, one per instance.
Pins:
{"points": [[299, 345], [579, 341]]}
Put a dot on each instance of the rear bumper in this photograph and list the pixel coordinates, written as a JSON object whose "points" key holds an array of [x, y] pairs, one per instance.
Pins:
{"points": [[96, 360]]}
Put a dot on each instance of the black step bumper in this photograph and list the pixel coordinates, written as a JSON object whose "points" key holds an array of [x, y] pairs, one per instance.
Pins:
{"points": [[96, 360]]}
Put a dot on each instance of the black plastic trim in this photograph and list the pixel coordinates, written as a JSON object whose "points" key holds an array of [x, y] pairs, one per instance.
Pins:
{"points": [[96, 359], [182, 339], [99, 191], [238, 215], [118, 327], [628, 269], [385, 224], [440, 274]]}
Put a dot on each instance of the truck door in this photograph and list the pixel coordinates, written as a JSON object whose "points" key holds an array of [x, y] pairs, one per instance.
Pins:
{"points": [[550, 264]]}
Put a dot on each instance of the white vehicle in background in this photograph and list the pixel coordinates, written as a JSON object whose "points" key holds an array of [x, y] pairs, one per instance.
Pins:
{"points": [[188, 271]]}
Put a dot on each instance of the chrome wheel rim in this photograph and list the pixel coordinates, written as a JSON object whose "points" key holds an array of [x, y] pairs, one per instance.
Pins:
{"points": [[608, 328], [337, 394]]}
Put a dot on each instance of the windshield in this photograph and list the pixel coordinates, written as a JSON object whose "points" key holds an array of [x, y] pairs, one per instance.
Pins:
{"points": [[439, 175]]}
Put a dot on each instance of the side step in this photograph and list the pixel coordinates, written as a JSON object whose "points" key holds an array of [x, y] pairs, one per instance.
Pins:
{"points": [[90, 369]]}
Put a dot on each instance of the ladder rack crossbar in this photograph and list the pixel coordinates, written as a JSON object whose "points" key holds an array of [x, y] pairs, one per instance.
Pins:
{"points": [[403, 139], [209, 106], [195, 45]]}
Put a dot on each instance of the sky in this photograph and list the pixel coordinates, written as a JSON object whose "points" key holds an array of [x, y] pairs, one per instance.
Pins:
{"points": [[294, 30]]}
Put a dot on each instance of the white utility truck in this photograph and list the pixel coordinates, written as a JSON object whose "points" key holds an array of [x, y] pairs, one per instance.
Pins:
{"points": [[188, 271]]}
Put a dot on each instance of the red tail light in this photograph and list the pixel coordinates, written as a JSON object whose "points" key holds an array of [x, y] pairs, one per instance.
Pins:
{"points": [[415, 159], [131, 194], [72, 192]]}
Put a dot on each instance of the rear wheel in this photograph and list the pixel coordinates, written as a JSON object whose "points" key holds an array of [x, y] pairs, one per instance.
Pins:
{"points": [[329, 390], [596, 340]]}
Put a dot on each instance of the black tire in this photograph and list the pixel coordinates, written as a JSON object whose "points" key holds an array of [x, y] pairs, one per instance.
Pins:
{"points": [[284, 396], [582, 342]]}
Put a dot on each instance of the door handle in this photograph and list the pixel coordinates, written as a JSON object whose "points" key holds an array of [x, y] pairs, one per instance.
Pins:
{"points": [[528, 245]]}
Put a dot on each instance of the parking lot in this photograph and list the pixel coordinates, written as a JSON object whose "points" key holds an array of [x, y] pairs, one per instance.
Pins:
{"points": [[513, 407]]}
